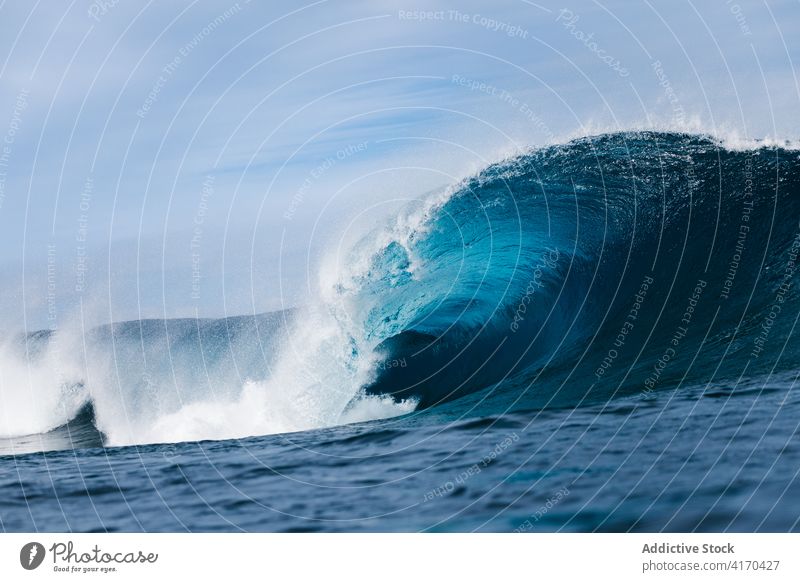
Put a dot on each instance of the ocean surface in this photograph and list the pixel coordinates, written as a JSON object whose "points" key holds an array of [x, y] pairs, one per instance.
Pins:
{"points": [[591, 336]]}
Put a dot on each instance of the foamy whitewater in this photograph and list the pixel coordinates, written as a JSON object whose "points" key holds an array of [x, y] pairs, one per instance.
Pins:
{"points": [[313, 376]]}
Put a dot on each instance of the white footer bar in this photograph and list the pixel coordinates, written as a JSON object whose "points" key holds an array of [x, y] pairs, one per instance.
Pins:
{"points": [[400, 557]]}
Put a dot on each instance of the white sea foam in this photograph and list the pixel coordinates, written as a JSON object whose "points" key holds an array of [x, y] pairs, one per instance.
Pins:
{"points": [[38, 394], [317, 381]]}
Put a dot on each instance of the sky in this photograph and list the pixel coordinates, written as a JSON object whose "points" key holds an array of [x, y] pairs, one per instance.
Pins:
{"points": [[172, 159]]}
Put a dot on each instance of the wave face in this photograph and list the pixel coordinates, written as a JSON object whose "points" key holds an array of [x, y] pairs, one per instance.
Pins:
{"points": [[609, 266]]}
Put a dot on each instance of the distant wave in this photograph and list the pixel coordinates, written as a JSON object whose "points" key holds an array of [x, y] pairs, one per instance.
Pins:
{"points": [[609, 266]]}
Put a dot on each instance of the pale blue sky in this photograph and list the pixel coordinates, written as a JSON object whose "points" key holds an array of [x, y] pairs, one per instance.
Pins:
{"points": [[150, 99]]}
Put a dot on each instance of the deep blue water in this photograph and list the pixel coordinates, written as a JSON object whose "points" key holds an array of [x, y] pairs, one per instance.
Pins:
{"points": [[693, 459], [592, 336]]}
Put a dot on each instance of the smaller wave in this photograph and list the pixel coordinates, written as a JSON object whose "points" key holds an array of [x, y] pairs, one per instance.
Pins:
{"points": [[41, 384], [158, 381]]}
